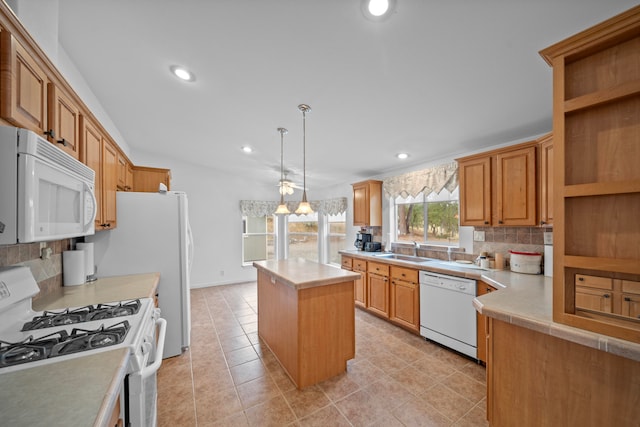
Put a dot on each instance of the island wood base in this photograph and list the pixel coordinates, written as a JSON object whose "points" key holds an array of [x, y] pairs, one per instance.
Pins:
{"points": [[311, 330], [535, 379]]}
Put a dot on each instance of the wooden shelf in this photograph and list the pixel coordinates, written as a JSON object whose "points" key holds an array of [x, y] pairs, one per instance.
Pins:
{"points": [[615, 265], [602, 188], [602, 97]]}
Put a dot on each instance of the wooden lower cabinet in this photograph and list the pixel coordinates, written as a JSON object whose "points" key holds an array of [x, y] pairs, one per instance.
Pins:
{"points": [[404, 298], [482, 289], [360, 266], [534, 379], [378, 288]]}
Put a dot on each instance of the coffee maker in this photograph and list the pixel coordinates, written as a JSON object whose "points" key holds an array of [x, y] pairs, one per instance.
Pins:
{"points": [[361, 240]]}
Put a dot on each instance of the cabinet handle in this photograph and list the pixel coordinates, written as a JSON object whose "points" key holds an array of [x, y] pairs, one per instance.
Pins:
{"points": [[500, 222], [105, 225], [581, 279], [63, 142], [486, 222], [542, 222], [50, 133], [489, 290], [606, 296], [627, 299]]}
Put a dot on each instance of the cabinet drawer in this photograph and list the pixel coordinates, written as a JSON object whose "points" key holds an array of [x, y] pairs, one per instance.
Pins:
{"points": [[406, 274], [360, 265], [631, 287], [594, 282], [377, 268], [347, 263]]}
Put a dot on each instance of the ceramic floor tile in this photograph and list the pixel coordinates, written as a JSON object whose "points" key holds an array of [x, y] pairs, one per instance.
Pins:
{"points": [[229, 377]]}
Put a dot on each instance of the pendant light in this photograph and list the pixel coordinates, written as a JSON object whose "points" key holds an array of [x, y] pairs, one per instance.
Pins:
{"points": [[304, 208], [282, 208]]}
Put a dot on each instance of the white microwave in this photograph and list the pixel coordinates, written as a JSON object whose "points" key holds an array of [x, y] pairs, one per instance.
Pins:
{"points": [[45, 194]]}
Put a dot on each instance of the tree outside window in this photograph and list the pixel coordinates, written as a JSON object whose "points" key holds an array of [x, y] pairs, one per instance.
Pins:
{"points": [[433, 219]]}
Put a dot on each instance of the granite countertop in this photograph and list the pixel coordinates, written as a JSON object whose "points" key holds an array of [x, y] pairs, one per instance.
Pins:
{"points": [[107, 289], [75, 392], [81, 391], [300, 273], [524, 300]]}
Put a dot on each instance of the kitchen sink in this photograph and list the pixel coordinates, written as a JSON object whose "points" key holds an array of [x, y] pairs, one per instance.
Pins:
{"points": [[401, 257], [458, 264]]}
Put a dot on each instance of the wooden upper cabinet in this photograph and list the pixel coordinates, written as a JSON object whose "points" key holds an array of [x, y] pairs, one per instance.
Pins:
{"points": [[516, 187], [92, 157], [110, 183], [64, 121], [125, 174], [475, 191], [499, 188], [545, 150], [367, 204], [23, 100], [147, 179]]}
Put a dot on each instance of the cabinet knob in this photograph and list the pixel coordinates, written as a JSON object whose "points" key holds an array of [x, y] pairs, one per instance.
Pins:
{"points": [[488, 289], [581, 279], [486, 222], [606, 296], [500, 222], [63, 142], [50, 133], [627, 299], [542, 222], [106, 225]]}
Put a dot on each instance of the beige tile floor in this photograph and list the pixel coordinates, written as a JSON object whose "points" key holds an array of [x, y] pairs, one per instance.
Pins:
{"points": [[228, 378]]}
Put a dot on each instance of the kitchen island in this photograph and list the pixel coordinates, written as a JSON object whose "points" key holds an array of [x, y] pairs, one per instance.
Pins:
{"points": [[306, 316]]}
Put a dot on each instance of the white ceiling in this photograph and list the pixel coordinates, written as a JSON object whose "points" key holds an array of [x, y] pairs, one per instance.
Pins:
{"points": [[439, 78]]}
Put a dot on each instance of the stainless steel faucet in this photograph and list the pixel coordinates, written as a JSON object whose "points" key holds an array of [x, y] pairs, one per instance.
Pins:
{"points": [[449, 250], [416, 245]]}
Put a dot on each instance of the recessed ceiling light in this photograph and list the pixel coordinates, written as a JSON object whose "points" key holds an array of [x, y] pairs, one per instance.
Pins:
{"points": [[247, 149], [402, 156], [182, 73], [378, 10]]}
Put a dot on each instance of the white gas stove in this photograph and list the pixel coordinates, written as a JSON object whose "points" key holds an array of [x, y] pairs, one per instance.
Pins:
{"points": [[29, 338]]}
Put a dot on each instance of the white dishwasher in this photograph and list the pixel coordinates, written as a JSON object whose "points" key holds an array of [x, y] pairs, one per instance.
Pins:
{"points": [[447, 315]]}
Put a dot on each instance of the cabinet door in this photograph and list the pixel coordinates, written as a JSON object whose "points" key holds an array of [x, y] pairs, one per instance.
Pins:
{"points": [[631, 305], [475, 192], [110, 183], [24, 86], [516, 187], [360, 289], [92, 143], [546, 182], [123, 166], [405, 303], [148, 179], [64, 121], [128, 186], [360, 205], [593, 299], [483, 289], [378, 294]]}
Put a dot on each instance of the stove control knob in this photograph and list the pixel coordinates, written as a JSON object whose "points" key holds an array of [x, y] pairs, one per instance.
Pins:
{"points": [[146, 347]]}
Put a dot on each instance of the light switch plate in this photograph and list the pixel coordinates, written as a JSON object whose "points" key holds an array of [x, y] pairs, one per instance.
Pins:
{"points": [[478, 236], [548, 237]]}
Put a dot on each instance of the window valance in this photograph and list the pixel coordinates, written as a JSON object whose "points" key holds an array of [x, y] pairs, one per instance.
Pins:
{"points": [[257, 208], [423, 181]]}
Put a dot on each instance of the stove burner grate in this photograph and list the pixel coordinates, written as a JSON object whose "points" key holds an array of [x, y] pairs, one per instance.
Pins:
{"points": [[83, 339], [50, 319], [30, 349]]}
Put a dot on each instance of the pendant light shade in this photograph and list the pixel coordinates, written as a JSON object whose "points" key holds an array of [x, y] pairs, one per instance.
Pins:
{"points": [[304, 208], [282, 208]]}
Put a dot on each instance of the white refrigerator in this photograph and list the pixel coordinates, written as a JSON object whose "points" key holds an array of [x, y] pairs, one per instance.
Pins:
{"points": [[153, 235]]}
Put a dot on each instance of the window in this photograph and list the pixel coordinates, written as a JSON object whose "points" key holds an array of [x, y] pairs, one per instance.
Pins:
{"points": [[337, 236], [303, 236], [432, 219], [258, 238]]}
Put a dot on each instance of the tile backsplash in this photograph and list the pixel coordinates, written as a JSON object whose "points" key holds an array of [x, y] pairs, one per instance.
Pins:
{"points": [[47, 272], [503, 239]]}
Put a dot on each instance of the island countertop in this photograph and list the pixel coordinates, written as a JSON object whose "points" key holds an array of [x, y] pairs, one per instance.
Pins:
{"points": [[300, 274]]}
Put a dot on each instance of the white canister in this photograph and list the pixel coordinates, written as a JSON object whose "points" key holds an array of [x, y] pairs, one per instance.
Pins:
{"points": [[525, 262], [88, 257], [73, 268]]}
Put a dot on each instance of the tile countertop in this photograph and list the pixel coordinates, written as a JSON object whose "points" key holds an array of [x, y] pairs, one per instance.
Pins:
{"points": [[525, 300], [300, 273], [81, 391]]}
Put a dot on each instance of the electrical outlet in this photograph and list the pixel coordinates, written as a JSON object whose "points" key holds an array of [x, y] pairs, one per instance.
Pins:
{"points": [[478, 236], [548, 238]]}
